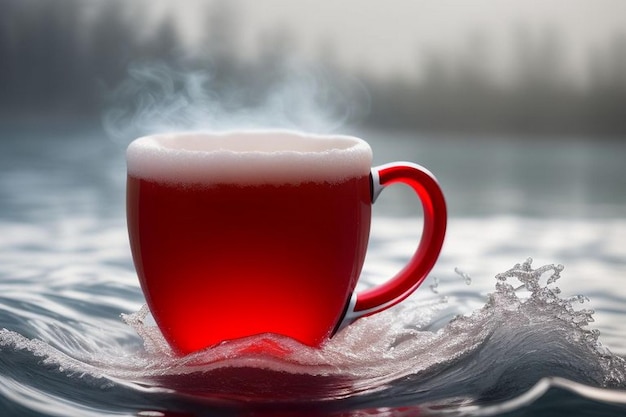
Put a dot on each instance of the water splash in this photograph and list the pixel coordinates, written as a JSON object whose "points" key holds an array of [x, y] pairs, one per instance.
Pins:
{"points": [[435, 285], [466, 277], [524, 333], [546, 298]]}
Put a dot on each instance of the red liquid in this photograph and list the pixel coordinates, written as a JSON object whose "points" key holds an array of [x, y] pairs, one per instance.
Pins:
{"points": [[225, 261]]}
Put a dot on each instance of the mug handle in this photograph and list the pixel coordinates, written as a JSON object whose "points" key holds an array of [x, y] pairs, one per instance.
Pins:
{"points": [[399, 287]]}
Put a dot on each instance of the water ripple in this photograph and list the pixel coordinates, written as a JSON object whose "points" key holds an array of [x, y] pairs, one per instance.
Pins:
{"points": [[496, 355]]}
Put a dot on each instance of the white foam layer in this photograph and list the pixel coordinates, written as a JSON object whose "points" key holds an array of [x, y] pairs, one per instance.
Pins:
{"points": [[248, 157]]}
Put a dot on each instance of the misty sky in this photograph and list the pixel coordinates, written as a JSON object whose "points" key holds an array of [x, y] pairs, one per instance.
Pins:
{"points": [[386, 36]]}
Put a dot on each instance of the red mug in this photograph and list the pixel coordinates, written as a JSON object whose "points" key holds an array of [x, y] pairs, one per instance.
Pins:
{"points": [[241, 233]]}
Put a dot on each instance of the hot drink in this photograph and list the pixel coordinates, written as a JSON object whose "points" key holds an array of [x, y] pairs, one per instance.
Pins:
{"points": [[246, 233], [244, 260]]}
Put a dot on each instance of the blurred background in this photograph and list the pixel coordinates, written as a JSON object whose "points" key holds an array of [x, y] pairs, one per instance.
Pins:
{"points": [[517, 106], [478, 68]]}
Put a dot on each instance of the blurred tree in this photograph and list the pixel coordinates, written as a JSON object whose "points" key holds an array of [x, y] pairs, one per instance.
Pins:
{"points": [[272, 65], [9, 32], [605, 110], [220, 44], [111, 43], [58, 59]]}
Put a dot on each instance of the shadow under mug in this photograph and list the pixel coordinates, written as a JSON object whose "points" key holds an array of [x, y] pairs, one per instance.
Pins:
{"points": [[248, 232]]}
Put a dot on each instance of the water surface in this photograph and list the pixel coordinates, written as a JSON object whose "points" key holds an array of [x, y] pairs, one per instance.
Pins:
{"points": [[489, 332]]}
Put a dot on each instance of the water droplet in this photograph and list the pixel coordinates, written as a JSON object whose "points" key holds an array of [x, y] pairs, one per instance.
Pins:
{"points": [[464, 275], [580, 298], [434, 285]]}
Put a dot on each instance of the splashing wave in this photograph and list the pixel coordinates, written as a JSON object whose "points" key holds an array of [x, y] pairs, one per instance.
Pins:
{"points": [[525, 332]]}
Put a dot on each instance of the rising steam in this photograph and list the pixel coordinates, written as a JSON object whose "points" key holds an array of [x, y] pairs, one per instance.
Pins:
{"points": [[158, 98]]}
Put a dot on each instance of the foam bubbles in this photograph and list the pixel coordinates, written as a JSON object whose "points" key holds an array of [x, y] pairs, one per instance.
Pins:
{"points": [[248, 157]]}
